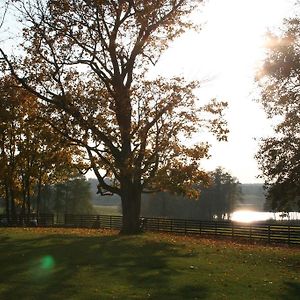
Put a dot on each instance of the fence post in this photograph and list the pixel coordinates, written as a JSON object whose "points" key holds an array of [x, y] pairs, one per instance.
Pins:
{"points": [[269, 234], [250, 232], [232, 229], [184, 226], [110, 225], [289, 234], [171, 225], [200, 227], [216, 228]]}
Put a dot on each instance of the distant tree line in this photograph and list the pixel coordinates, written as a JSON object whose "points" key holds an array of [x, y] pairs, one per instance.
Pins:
{"points": [[216, 201], [70, 197]]}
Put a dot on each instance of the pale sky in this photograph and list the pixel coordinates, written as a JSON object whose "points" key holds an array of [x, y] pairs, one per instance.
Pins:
{"points": [[227, 52]]}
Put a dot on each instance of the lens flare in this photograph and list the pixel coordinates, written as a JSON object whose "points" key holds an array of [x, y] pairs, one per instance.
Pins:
{"points": [[47, 262]]}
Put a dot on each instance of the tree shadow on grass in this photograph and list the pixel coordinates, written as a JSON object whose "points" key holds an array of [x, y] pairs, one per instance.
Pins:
{"points": [[292, 291], [105, 267]]}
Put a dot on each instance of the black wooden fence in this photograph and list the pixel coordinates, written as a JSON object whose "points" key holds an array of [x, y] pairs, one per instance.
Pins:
{"points": [[43, 220], [255, 231], [268, 232]]}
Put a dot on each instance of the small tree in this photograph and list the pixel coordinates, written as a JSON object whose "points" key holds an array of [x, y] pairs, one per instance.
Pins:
{"points": [[70, 197], [87, 61], [221, 197], [279, 156]]}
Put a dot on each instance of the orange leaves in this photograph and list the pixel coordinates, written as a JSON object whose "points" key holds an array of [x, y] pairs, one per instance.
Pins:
{"points": [[32, 152], [181, 179], [215, 120]]}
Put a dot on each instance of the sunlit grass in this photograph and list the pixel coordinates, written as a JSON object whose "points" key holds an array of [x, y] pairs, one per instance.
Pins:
{"points": [[89, 264], [107, 210]]}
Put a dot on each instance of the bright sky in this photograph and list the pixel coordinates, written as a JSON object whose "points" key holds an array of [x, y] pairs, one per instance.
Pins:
{"points": [[227, 51]]}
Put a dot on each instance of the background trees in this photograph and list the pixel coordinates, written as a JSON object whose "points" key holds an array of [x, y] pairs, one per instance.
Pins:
{"points": [[72, 196], [218, 200], [87, 62], [279, 156], [32, 154]]}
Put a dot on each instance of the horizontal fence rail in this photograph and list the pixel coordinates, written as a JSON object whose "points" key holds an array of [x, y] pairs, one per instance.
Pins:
{"points": [[270, 233], [43, 220], [93, 221]]}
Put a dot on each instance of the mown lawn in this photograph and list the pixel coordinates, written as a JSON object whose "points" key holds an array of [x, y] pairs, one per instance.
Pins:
{"points": [[89, 264], [107, 210]]}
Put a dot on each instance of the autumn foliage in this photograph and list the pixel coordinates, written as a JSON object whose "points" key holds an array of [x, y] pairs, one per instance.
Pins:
{"points": [[87, 62]]}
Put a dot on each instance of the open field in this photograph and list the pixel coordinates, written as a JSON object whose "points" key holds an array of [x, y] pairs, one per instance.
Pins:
{"points": [[107, 210], [53, 263]]}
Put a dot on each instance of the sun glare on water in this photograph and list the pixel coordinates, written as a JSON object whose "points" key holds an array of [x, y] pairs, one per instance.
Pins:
{"points": [[249, 216]]}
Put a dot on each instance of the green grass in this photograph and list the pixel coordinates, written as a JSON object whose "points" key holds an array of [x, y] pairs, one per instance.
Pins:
{"points": [[107, 210], [89, 264]]}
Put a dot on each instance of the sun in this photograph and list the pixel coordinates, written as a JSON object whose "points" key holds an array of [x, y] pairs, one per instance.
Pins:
{"points": [[229, 46], [235, 31], [249, 216]]}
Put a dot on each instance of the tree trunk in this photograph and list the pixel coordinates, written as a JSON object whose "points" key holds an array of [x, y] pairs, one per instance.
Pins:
{"points": [[7, 203], [28, 198], [13, 206], [38, 197], [131, 208]]}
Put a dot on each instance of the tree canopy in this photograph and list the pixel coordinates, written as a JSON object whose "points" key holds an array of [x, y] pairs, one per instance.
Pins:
{"points": [[87, 62], [279, 156], [32, 154]]}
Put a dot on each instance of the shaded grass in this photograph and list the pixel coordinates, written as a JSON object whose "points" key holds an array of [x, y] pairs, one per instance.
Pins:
{"points": [[90, 264]]}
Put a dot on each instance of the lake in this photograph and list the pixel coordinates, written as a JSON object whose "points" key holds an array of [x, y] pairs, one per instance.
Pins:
{"points": [[249, 216]]}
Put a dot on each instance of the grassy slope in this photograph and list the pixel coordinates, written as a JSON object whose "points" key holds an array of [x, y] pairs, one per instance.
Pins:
{"points": [[88, 264]]}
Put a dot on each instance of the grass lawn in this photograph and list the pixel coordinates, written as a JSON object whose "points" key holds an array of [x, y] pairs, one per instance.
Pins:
{"points": [[89, 264], [107, 210]]}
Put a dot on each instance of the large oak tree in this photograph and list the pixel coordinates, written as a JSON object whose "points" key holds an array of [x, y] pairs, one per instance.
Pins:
{"points": [[87, 61]]}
